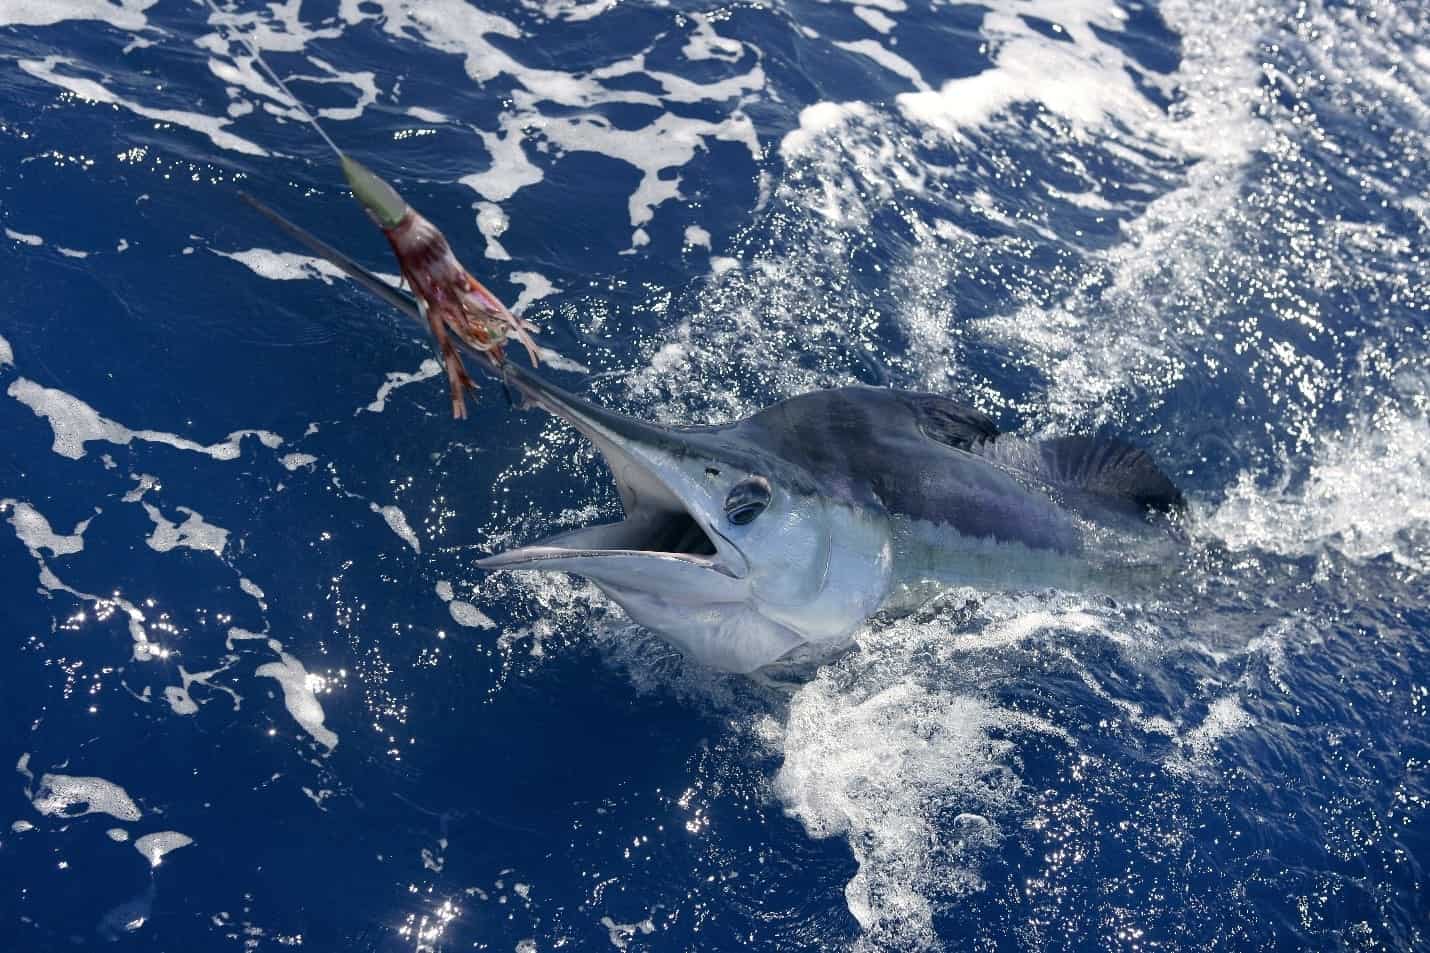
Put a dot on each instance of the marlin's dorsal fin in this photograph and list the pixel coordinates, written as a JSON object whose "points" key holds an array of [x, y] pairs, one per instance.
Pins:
{"points": [[1104, 466]]}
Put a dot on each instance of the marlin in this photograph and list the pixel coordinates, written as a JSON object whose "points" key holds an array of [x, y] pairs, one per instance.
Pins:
{"points": [[774, 538]]}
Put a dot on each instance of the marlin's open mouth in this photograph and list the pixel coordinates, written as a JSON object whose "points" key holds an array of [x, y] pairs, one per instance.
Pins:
{"points": [[668, 535], [664, 519]]}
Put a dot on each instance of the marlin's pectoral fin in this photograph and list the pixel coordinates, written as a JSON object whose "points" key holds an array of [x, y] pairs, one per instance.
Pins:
{"points": [[951, 423], [398, 299]]}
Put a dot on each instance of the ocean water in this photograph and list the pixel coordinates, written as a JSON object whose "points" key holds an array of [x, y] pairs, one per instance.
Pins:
{"points": [[255, 697]]}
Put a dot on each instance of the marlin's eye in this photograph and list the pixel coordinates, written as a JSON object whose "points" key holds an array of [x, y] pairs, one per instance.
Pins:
{"points": [[747, 500]]}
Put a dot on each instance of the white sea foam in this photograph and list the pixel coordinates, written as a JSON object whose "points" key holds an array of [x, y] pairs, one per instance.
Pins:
{"points": [[1044, 71], [251, 589], [395, 379], [576, 11], [561, 362], [1224, 717], [280, 28], [697, 237], [397, 521], [76, 423], [820, 119], [879, 765], [1097, 349], [534, 287], [34, 530], [427, 115], [104, 606], [180, 701], [877, 19], [24, 238], [292, 266], [886, 58], [448, 25], [888, 6], [667, 143], [621, 934], [7, 356], [492, 223], [63, 795], [707, 44], [47, 69], [144, 482], [1086, 81], [365, 82], [299, 696], [1091, 349], [193, 533], [318, 797], [1363, 494], [892, 747], [124, 15], [296, 461], [849, 161], [283, 265], [463, 613], [155, 846], [466, 614], [895, 748], [670, 141], [236, 634], [510, 169]]}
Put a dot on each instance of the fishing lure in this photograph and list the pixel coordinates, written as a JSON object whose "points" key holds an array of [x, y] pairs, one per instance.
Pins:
{"points": [[454, 304], [449, 297]]}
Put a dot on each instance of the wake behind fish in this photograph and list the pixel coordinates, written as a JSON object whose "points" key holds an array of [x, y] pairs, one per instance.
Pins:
{"points": [[902, 746]]}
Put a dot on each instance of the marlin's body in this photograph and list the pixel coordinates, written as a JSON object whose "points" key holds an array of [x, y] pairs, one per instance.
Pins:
{"points": [[777, 536]]}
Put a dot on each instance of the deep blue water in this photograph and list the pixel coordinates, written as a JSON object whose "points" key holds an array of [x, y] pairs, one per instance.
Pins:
{"points": [[1201, 229]]}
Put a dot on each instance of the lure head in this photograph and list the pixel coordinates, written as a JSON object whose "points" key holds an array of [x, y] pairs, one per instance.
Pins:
{"points": [[379, 199]]}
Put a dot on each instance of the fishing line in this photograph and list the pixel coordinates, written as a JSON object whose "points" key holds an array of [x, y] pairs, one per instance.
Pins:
{"points": [[268, 71]]}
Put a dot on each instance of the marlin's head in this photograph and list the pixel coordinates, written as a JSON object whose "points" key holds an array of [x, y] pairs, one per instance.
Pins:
{"points": [[727, 551]]}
